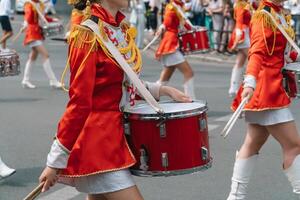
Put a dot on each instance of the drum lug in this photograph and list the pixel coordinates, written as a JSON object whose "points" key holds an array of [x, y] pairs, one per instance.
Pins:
{"points": [[164, 160], [144, 159], [127, 128], [162, 130], [204, 153], [202, 124]]}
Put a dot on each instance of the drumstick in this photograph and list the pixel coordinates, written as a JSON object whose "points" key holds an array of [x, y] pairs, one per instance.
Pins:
{"points": [[152, 41], [34, 193], [234, 117], [18, 34]]}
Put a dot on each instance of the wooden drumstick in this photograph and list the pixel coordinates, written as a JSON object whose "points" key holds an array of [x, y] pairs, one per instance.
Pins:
{"points": [[34, 193], [18, 34], [150, 43], [234, 117]]}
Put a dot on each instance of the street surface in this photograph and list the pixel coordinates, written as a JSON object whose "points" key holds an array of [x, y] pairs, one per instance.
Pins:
{"points": [[29, 120]]}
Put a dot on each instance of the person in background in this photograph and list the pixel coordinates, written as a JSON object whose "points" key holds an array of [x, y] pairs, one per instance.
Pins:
{"points": [[198, 10], [5, 12], [137, 19], [154, 9], [168, 50], [147, 14], [5, 171], [215, 10], [49, 7], [228, 26], [239, 41], [34, 39], [188, 10]]}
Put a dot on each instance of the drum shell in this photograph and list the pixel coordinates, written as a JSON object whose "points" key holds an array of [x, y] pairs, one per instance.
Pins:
{"points": [[9, 64], [291, 79], [53, 29], [194, 41], [185, 144]]}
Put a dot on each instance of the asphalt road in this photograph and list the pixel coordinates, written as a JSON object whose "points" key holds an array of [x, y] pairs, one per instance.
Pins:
{"points": [[28, 121]]}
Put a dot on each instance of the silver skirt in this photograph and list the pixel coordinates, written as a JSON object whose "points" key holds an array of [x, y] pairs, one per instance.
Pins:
{"points": [[172, 59], [269, 117], [101, 183]]}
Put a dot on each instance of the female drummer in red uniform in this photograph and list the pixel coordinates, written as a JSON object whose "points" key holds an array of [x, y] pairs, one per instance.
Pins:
{"points": [[90, 151], [168, 51], [240, 40], [34, 39], [267, 111]]}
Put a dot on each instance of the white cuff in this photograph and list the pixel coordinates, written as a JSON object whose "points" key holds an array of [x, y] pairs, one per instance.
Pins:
{"points": [[250, 81], [162, 27], [153, 89], [25, 24], [238, 32], [58, 156]]}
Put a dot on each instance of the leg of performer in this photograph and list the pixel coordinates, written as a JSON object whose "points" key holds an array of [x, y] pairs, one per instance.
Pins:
{"points": [[47, 67], [7, 30], [246, 160], [5, 37], [28, 68], [166, 74], [287, 135], [237, 72], [5, 171], [188, 75]]}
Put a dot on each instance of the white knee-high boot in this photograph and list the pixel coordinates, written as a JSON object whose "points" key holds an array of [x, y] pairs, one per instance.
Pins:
{"points": [[27, 72], [162, 83], [235, 81], [293, 174], [50, 74], [242, 172], [5, 171], [189, 90]]}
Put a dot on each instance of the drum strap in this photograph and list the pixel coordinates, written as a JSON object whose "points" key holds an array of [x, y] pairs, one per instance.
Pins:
{"points": [[281, 29], [123, 64]]}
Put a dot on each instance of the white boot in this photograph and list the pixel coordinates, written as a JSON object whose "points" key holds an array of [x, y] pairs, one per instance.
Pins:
{"points": [[53, 82], [235, 81], [5, 171], [293, 174], [27, 72], [189, 90], [242, 172]]}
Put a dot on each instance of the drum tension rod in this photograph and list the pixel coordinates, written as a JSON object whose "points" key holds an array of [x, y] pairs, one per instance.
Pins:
{"points": [[162, 120]]}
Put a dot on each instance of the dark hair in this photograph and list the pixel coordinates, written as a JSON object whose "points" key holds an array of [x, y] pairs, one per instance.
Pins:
{"points": [[81, 5]]}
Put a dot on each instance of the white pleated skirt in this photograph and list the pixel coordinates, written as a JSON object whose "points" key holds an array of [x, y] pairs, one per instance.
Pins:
{"points": [[269, 117], [172, 59], [246, 43], [101, 183]]}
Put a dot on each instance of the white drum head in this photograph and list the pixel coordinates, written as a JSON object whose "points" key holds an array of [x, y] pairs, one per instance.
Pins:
{"points": [[295, 66], [171, 110]]}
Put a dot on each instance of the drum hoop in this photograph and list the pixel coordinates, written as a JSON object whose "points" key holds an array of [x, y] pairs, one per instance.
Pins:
{"points": [[199, 29], [290, 65], [172, 172], [173, 115]]}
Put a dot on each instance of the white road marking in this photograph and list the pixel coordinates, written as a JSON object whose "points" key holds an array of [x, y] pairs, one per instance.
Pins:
{"points": [[212, 127], [64, 193], [224, 118]]}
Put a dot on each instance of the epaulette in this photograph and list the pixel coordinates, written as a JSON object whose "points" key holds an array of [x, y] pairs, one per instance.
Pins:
{"points": [[169, 6], [241, 4], [259, 16], [83, 37]]}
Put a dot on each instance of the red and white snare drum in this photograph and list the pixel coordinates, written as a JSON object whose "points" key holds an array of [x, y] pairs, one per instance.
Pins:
{"points": [[194, 41], [291, 79], [172, 144]]}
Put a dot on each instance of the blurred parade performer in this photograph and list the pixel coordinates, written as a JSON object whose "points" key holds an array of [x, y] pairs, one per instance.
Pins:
{"points": [[168, 51], [5, 171], [5, 12], [137, 19], [90, 151], [239, 41], [34, 39], [267, 112]]}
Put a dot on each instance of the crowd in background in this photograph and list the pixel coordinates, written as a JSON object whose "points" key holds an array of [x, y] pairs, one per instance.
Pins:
{"points": [[215, 15]]}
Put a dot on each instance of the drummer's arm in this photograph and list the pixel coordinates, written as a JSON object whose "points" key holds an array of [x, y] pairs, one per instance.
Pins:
{"points": [[239, 24], [257, 52]]}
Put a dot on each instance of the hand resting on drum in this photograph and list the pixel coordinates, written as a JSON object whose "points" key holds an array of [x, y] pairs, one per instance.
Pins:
{"points": [[174, 94]]}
